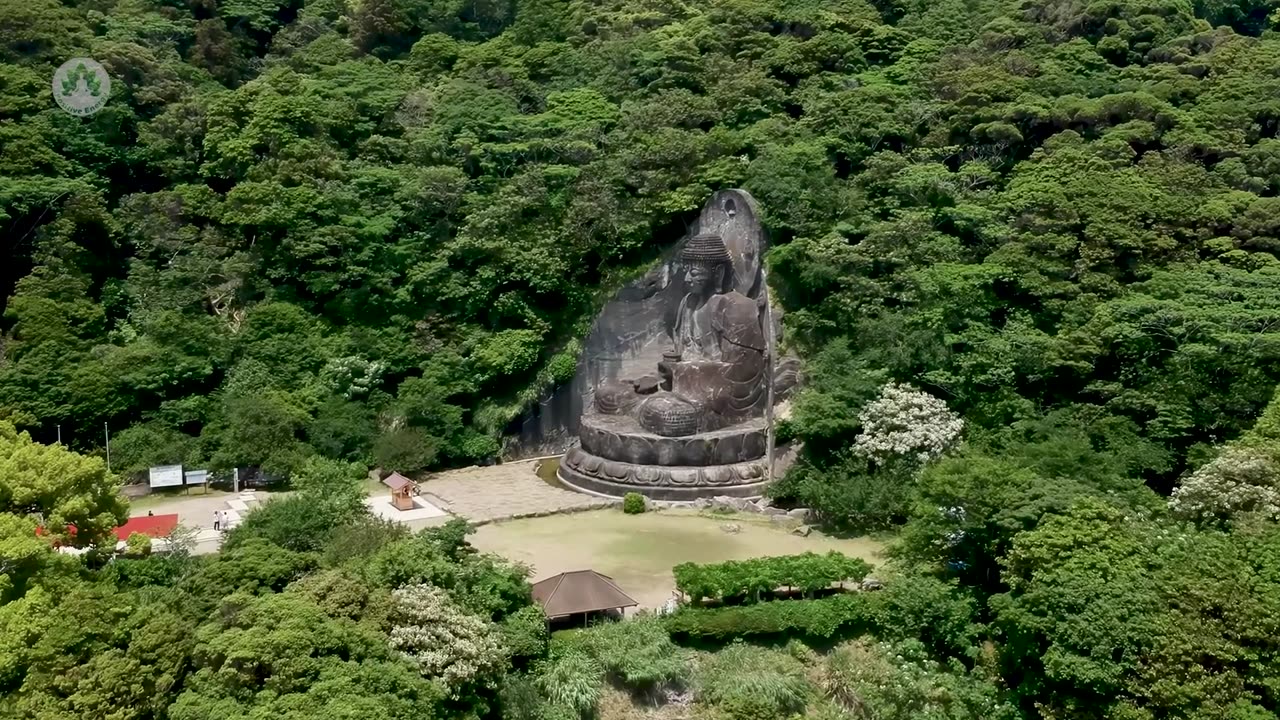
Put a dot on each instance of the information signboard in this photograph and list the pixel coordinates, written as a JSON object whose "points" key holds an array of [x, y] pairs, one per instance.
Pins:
{"points": [[166, 476], [197, 477]]}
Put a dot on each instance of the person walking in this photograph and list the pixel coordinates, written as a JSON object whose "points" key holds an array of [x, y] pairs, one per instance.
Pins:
{"points": [[217, 519]]}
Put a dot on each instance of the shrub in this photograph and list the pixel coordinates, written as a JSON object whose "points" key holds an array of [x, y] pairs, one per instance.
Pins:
{"points": [[444, 642], [798, 650], [747, 682], [361, 539], [898, 681], [137, 545], [638, 654], [297, 522], [343, 594], [482, 584], [633, 503], [813, 618], [520, 698], [256, 566], [525, 633], [407, 450], [936, 612], [161, 570], [852, 494], [906, 422], [751, 578], [572, 680]]}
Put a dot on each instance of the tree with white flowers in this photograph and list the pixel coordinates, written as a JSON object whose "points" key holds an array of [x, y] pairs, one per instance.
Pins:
{"points": [[445, 642], [1241, 481], [906, 423]]}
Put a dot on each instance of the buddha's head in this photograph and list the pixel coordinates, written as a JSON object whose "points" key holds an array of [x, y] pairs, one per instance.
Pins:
{"points": [[706, 262]]}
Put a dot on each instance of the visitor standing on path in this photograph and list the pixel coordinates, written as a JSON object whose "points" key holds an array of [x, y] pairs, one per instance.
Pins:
{"points": [[217, 519]]}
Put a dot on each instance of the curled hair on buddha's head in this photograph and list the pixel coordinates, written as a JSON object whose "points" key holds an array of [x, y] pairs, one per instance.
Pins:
{"points": [[705, 249], [708, 250]]}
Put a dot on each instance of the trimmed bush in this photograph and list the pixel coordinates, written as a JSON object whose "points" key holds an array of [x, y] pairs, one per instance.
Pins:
{"points": [[633, 503], [752, 578], [813, 618], [937, 613]]}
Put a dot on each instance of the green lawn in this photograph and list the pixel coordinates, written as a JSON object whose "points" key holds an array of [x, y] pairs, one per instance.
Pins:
{"points": [[638, 551]]}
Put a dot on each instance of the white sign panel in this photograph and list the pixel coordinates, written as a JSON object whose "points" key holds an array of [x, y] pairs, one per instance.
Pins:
{"points": [[197, 477], [166, 476]]}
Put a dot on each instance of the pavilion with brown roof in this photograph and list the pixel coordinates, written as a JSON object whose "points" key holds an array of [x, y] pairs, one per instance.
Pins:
{"points": [[580, 592]]}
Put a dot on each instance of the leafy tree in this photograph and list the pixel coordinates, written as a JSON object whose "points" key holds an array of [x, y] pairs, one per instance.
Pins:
{"points": [[1125, 586], [281, 656], [1235, 484], [71, 496]]}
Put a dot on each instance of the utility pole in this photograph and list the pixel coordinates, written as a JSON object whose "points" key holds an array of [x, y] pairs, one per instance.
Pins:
{"points": [[59, 434], [107, 433], [235, 481]]}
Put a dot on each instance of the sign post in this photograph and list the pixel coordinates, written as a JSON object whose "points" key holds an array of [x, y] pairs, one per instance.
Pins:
{"points": [[166, 476], [197, 477]]}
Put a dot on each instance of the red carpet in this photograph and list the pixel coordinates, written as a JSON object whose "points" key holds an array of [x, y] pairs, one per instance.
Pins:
{"points": [[149, 525]]}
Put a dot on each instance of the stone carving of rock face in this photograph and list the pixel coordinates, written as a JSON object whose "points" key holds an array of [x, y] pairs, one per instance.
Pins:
{"points": [[717, 364], [682, 415]]}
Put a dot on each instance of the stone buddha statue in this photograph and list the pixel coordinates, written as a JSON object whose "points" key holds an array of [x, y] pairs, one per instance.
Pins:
{"points": [[715, 374], [678, 409]]}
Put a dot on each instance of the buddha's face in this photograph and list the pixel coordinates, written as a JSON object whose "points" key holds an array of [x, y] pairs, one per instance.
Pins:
{"points": [[702, 280]]}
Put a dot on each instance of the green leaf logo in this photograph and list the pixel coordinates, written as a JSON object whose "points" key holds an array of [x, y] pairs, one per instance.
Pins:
{"points": [[81, 86]]}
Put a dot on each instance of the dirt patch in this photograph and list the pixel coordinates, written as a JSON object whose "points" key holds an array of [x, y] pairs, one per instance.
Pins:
{"points": [[638, 551]]}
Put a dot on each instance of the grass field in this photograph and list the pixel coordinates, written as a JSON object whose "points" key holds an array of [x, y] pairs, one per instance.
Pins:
{"points": [[638, 551]]}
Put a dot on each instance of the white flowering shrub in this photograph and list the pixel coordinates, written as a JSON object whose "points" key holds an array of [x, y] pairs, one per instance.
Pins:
{"points": [[445, 643], [352, 377], [904, 422], [1240, 481]]}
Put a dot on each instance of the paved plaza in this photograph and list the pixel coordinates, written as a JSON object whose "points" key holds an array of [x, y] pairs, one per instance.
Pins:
{"points": [[478, 494], [381, 506], [503, 492]]}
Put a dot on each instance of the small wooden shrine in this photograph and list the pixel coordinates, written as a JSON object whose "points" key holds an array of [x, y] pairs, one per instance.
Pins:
{"points": [[402, 491]]}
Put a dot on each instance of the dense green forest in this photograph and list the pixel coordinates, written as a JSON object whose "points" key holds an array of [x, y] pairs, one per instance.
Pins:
{"points": [[1027, 250], [374, 230]]}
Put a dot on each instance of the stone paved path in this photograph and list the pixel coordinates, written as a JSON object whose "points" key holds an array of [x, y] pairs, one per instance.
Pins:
{"points": [[503, 492]]}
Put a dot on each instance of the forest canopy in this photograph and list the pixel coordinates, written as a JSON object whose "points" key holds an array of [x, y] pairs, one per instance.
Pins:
{"points": [[1026, 249], [374, 230]]}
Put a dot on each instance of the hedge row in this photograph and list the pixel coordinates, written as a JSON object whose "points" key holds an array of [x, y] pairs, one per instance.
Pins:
{"points": [[814, 618], [809, 572], [938, 613]]}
